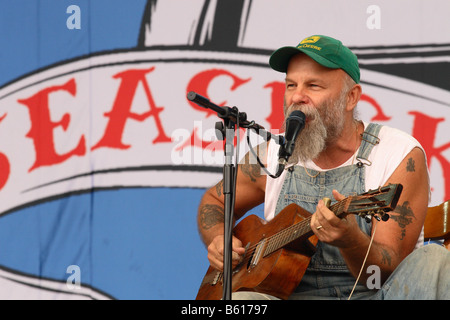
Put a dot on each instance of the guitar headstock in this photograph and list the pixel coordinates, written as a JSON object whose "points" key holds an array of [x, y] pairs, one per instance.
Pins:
{"points": [[373, 203]]}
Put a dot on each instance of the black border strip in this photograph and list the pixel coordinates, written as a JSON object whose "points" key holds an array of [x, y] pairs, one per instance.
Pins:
{"points": [[399, 55], [400, 46], [161, 60], [137, 50], [192, 168], [20, 273], [83, 191], [264, 52], [195, 168], [234, 62], [445, 103]]}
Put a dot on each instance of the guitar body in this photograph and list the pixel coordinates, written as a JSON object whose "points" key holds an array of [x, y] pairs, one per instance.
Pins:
{"points": [[277, 273]]}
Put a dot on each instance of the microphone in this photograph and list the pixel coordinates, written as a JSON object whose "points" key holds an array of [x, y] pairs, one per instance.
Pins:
{"points": [[294, 125]]}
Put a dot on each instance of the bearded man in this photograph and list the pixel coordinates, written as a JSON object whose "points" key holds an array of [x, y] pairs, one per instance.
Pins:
{"points": [[335, 156]]}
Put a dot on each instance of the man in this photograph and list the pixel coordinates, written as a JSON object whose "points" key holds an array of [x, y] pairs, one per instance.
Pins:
{"points": [[335, 156]]}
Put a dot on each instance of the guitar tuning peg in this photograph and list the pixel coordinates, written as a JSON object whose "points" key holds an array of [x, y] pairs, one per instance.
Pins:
{"points": [[385, 217], [368, 218]]}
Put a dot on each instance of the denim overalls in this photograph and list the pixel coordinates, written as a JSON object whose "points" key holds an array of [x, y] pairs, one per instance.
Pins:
{"points": [[327, 274]]}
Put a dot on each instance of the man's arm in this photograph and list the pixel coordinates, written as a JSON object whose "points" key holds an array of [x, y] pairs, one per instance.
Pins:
{"points": [[250, 189], [394, 239]]}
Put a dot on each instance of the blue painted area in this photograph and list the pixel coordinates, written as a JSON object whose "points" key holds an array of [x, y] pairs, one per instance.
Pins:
{"points": [[34, 34], [128, 243], [139, 243], [146, 241]]}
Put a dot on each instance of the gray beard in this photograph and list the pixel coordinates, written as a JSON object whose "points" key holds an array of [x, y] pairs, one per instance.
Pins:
{"points": [[324, 126]]}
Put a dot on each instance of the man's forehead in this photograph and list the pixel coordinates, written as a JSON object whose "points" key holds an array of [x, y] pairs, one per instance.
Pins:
{"points": [[303, 60], [306, 66]]}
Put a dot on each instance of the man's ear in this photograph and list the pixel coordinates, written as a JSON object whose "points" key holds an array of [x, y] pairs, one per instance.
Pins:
{"points": [[353, 97]]}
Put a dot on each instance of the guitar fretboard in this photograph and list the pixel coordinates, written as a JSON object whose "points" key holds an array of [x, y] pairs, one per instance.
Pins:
{"points": [[292, 233]]}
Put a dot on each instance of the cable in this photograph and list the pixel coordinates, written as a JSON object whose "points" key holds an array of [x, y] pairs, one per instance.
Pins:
{"points": [[235, 165], [365, 259], [280, 168]]}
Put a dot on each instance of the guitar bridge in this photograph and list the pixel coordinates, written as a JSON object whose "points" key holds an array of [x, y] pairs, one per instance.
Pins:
{"points": [[259, 251], [217, 278]]}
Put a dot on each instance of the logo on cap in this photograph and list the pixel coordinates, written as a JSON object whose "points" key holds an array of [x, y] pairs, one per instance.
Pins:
{"points": [[312, 39]]}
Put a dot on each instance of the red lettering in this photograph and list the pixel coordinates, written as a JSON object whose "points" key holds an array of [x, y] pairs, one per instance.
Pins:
{"points": [[380, 116], [4, 170], [424, 130], [276, 117], [121, 110], [201, 82], [41, 131], [4, 166]]}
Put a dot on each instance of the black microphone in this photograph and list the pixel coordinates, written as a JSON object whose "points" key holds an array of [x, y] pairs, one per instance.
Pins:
{"points": [[205, 103], [294, 125]]}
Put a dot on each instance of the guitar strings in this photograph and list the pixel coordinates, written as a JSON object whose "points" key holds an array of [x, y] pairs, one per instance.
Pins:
{"points": [[302, 226]]}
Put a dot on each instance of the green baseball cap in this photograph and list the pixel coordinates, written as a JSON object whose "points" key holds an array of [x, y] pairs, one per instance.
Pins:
{"points": [[327, 51]]}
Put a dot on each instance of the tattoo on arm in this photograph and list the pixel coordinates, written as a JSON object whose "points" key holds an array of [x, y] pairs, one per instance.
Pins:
{"points": [[386, 257], [210, 215], [404, 217], [250, 166], [251, 170], [410, 166], [219, 188]]}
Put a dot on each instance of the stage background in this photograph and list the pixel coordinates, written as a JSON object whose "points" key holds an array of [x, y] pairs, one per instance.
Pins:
{"points": [[103, 161]]}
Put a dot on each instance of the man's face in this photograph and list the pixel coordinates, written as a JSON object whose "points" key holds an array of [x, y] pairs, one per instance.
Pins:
{"points": [[317, 92]]}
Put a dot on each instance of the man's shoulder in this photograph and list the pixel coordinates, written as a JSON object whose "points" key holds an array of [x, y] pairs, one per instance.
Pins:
{"points": [[388, 134], [394, 141]]}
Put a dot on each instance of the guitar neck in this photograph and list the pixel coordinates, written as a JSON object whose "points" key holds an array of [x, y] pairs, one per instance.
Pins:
{"points": [[300, 229]]}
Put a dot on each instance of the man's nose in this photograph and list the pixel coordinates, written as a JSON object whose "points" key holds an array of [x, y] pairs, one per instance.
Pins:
{"points": [[300, 97]]}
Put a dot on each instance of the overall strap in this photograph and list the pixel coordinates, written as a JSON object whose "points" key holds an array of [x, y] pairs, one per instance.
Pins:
{"points": [[369, 140]]}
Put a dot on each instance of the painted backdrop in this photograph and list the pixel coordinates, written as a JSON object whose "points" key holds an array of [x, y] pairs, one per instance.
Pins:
{"points": [[103, 160]]}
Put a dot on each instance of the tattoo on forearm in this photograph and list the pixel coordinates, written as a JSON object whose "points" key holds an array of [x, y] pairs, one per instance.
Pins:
{"points": [[386, 258], [404, 217], [210, 215], [410, 166]]}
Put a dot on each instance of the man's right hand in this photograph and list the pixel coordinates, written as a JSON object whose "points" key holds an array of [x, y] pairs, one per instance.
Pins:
{"points": [[215, 252]]}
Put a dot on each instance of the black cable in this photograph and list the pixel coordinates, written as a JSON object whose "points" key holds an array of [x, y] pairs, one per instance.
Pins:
{"points": [[280, 167]]}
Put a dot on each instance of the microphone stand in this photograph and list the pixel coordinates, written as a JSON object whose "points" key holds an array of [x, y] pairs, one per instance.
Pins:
{"points": [[231, 117], [228, 189]]}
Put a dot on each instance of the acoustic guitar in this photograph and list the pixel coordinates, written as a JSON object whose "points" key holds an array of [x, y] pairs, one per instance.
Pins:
{"points": [[278, 252]]}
